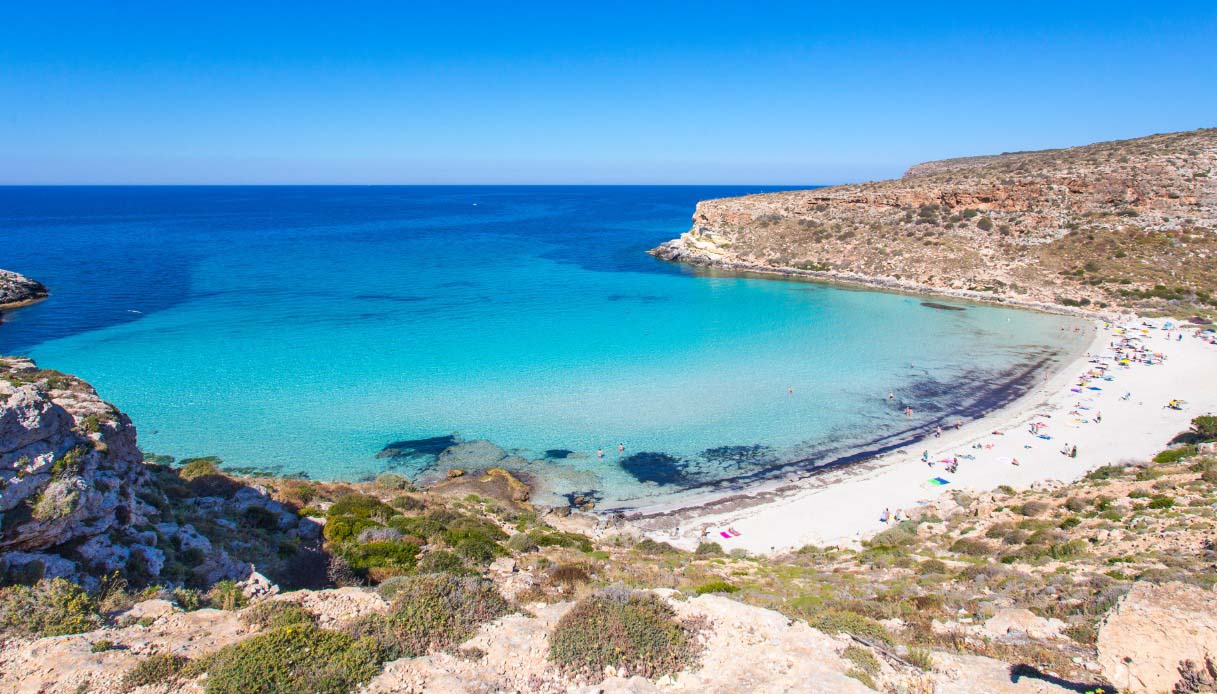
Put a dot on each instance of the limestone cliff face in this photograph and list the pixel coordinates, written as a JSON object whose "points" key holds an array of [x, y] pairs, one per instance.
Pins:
{"points": [[69, 476], [16, 290], [1131, 223]]}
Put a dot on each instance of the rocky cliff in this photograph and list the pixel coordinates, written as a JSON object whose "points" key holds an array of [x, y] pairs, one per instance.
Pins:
{"points": [[1128, 224], [78, 501], [18, 290]]}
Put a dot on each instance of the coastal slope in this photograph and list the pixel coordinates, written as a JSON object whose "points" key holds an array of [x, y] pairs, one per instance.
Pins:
{"points": [[1126, 224]]}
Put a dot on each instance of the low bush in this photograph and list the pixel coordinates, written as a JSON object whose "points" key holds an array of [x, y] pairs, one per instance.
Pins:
{"points": [[365, 558], [52, 607], [431, 612], [443, 562], [226, 595], [1034, 508], [920, 658], [838, 621], [272, 614], [360, 506], [297, 658], [715, 586], [931, 566], [392, 480], [863, 659], [161, 668], [1161, 502], [648, 546], [562, 539], [1174, 455], [709, 549], [522, 543], [569, 575], [972, 547], [635, 631]]}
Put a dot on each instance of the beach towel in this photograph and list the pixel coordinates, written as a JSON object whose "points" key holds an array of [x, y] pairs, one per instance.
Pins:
{"points": [[1044, 437], [938, 481], [733, 531], [1094, 388], [726, 535]]}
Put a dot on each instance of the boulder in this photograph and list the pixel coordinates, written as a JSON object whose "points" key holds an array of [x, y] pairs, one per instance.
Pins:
{"points": [[1020, 622], [471, 454], [1151, 630]]}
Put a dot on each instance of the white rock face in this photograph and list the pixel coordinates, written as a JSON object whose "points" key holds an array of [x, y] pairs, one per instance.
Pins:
{"points": [[69, 470], [1151, 630]]}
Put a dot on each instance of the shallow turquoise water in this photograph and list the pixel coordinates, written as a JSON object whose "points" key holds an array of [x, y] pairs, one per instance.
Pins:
{"points": [[303, 329]]}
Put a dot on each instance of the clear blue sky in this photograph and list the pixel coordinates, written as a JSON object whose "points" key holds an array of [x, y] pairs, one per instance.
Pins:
{"points": [[448, 92]]}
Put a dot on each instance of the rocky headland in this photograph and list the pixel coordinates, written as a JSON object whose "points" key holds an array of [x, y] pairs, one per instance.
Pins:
{"points": [[18, 290], [1122, 225]]}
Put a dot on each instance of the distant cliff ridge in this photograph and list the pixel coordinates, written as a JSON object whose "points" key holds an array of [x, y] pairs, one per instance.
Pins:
{"points": [[17, 290], [1128, 224]]}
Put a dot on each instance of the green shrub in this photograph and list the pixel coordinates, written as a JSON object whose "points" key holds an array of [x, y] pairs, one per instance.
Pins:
{"points": [[1161, 502], [569, 575], [562, 539], [157, 669], [648, 546], [635, 631], [920, 658], [1034, 508], [431, 612], [379, 555], [272, 614], [1070, 522], [340, 529], [972, 547], [931, 566], [391, 587], [715, 586], [226, 595], [360, 506], [1105, 472], [101, 646], [901, 535], [863, 677], [1174, 455], [297, 658], [1076, 504], [709, 549], [838, 621], [392, 480], [863, 659], [405, 502], [188, 599], [522, 543], [52, 607], [441, 562], [1204, 428]]}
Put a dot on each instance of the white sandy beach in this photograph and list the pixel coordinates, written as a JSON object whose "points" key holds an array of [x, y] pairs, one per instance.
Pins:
{"points": [[843, 508]]}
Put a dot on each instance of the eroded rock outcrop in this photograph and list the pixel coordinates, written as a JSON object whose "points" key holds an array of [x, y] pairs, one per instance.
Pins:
{"points": [[17, 290], [70, 473], [1152, 630]]}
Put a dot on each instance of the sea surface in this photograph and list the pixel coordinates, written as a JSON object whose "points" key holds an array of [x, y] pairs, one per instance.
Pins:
{"points": [[301, 330]]}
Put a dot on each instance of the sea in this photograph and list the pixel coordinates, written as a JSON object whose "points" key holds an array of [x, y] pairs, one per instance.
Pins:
{"points": [[343, 332]]}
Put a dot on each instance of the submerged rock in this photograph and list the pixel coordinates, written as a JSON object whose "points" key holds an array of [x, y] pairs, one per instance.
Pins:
{"points": [[471, 454]]}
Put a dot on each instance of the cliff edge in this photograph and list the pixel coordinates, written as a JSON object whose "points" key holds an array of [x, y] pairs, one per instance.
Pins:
{"points": [[1128, 224]]}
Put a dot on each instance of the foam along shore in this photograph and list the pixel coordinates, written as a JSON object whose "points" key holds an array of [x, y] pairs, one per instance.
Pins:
{"points": [[1111, 408]]}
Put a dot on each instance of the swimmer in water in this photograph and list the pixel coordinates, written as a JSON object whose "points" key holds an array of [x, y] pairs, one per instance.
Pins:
{"points": [[599, 452]]}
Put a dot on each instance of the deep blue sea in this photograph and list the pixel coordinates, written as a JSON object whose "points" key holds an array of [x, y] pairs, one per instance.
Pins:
{"points": [[303, 329]]}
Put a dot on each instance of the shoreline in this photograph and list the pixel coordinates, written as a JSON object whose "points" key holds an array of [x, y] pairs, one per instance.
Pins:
{"points": [[844, 505], [664, 253]]}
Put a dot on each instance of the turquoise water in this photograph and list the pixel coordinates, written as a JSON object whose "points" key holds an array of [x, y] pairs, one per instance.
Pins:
{"points": [[301, 330]]}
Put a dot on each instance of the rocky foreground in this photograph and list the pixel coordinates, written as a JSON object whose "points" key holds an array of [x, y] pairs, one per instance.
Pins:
{"points": [[1129, 224], [18, 290], [124, 571]]}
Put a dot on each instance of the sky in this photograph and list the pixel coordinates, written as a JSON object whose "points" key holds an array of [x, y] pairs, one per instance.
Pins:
{"points": [[165, 92]]}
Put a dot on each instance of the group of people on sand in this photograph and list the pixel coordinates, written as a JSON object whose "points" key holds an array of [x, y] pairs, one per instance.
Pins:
{"points": [[888, 516]]}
